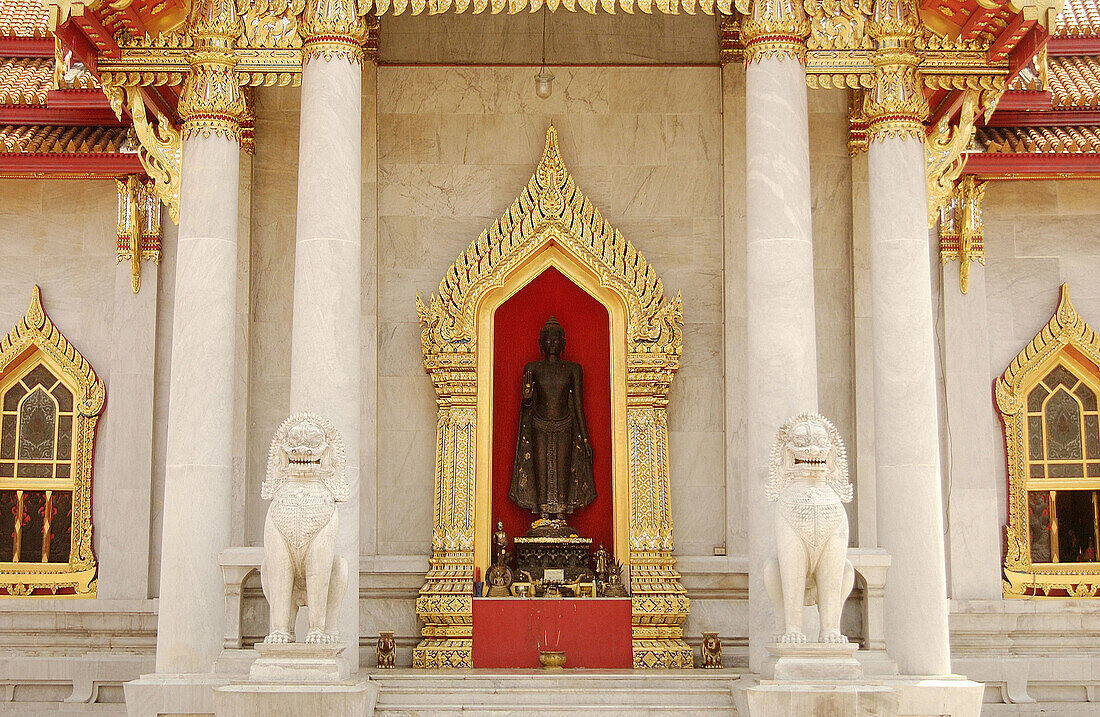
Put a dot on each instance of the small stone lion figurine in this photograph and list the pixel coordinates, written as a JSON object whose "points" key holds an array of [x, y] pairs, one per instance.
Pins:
{"points": [[808, 483], [711, 651], [305, 480]]}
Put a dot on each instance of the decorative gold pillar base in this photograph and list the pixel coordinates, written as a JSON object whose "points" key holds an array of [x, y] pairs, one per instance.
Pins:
{"points": [[666, 653], [443, 653]]}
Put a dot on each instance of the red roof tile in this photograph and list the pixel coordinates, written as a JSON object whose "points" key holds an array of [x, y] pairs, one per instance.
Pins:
{"points": [[1039, 140], [1079, 18], [54, 140], [25, 81]]}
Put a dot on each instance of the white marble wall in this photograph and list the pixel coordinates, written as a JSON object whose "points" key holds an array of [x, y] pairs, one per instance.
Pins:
{"points": [[61, 235], [1038, 234]]}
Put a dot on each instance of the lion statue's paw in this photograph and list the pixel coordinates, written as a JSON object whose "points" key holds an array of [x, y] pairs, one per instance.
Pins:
{"points": [[278, 638], [318, 637], [791, 638], [835, 637]]}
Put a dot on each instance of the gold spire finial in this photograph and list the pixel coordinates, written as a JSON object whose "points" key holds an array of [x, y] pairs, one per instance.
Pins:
{"points": [[35, 315]]}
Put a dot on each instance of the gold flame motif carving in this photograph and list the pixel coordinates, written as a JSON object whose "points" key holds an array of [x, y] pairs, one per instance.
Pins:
{"points": [[552, 214]]}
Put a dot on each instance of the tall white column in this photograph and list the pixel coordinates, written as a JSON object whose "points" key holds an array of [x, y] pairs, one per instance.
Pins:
{"points": [[198, 464], [781, 335], [907, 456], [325, 375]]}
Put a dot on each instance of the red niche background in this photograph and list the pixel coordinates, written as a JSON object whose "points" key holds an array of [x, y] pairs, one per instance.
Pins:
{"points": [[587, 341]]}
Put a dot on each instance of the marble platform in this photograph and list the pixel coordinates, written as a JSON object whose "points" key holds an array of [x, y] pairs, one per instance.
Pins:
{"points": [[298, 663]]}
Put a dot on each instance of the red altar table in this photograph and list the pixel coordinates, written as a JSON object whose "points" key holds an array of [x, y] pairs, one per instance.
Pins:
{"points": [[593, 632]]}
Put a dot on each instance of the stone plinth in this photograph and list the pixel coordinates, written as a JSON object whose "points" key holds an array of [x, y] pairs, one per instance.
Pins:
{"points": [[798, 700], [298, 663], [256, 700], [812, 662]]}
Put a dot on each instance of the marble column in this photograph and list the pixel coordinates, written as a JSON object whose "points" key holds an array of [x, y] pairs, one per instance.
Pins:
{"points": [[198, 464], [907, 456], [781, 343], [325, 373]]}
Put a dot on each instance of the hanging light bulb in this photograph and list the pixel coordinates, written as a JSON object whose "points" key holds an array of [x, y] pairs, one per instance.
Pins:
{"points": [[544, 83], [544, 80]]}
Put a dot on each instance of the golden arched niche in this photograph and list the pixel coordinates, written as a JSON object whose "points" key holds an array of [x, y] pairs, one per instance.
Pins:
{"points": [[1065, 343], [552, 223]]}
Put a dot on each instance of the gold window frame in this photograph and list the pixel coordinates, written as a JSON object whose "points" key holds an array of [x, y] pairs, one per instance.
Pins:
{"points": [[1068, 340], [34, 340], [552, 223]]}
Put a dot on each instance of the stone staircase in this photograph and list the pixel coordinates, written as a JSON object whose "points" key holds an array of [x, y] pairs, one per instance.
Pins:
{"points": [[613, 693]]}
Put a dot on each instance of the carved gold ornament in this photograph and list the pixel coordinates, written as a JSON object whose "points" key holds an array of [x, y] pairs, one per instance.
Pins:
{"points": [[334, 28], [895, 104], [212, 101], [552, 223], [962, 234], [35, 345], [138, 227], [1068, 341], [944, 155], [160, 146], [773, 28]]}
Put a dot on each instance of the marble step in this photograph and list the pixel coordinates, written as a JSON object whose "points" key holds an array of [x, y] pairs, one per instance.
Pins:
{"points": [[528, 692]]}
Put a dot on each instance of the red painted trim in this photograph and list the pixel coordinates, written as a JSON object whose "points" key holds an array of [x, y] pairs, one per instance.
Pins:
{"points": [[96, 163], [77, 99], [73, 38], [98, 36], [1025, 101], [1010, 39], [1066, 46], [66, 117], [1026, 166], [26, 46], [977, 22], [1049, 118]]}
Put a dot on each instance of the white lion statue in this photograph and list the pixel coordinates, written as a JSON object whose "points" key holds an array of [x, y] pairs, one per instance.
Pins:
{"points": [[305, 480], [808, 482]]}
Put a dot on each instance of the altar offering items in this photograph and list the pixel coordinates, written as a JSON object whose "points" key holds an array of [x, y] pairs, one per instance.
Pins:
{"points": [[711, 651], [614, 586], [386, 650], [552, 659]]}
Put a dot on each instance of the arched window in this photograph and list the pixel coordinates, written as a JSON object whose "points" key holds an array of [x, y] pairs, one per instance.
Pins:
{"points": [[1048, 402], [50, 399]]}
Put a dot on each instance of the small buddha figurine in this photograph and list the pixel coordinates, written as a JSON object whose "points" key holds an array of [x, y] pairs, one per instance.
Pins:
{"points": [[603, 564]]}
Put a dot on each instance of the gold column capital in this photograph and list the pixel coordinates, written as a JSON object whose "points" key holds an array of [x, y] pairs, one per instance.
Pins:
{"points": [[773, 28], [895, 105], [211, 101], [335, 28]]}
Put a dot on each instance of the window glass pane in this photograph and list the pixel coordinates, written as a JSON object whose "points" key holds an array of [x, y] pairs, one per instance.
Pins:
{"points": [[11, 398], [1094, 470], [1065, 470], [1063, 427], [62, 470], [1092, 437], [41, 375], [65, 398], [1060, 376], [1076, 527], [1088, 398], [7, 470], [61, 527], [1038, 508], [34, 511], [64, 438], [1035, 398], [37, 416], [1037, 470], [7, 437], [1035, 438]]}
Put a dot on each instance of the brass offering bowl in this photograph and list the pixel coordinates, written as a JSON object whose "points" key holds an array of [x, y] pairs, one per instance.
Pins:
{"points": [[552, 659]]}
